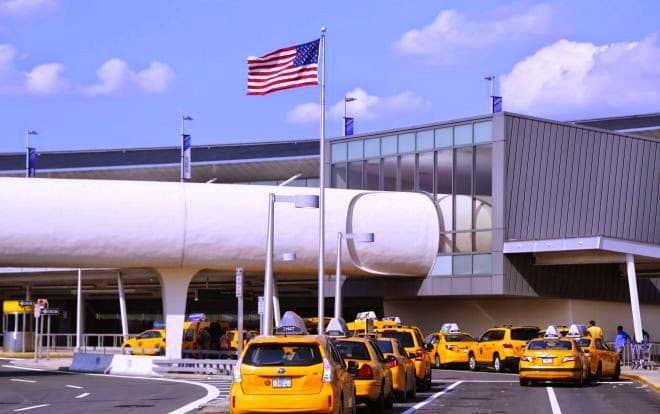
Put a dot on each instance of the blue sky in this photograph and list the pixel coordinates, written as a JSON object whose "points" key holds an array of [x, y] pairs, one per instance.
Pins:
{"points": [[120, 73]]}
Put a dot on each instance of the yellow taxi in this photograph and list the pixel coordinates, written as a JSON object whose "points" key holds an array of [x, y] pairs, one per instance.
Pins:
{"points": [[232, 337], [291, 372], [603, 362], [372, 376], [149, 342], [366, 322], [500, 347], [402, 367], [412, 339], [553, 358], [450, 346], [312, 323]]}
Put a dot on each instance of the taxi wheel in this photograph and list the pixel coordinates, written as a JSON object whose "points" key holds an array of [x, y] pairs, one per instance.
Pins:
{"points": [[413, 392], [161, 351], [378, 406], [599, 372], [472, 363], [617, 372], [428, 380], [389, 401], [524, 382], [437, 362], [497, 363], [127, 350]]}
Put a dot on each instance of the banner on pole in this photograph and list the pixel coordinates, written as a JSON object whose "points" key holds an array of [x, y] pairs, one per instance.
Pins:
{"points": [[186, 157], [32, 161], [348, 126]]}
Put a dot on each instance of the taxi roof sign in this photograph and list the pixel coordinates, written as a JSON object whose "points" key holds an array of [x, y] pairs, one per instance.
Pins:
{"points": [[551, 333], [394, 319], [574, 332], [337, 328], [291, 324], [450, 328], [365, 315], [196, 317]]}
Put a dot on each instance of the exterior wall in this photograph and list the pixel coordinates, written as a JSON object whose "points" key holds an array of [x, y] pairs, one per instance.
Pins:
{"points": [[567, 181], [477, 315]]}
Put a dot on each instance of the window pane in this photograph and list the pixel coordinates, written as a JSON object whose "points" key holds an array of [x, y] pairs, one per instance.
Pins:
{"points": [[442, 266], [355, 150], [482, 264], [483, 188], [463, 242], [355, 175], [407, 143], [372, 148], [425, 172], [389, 173], [425, 140], [372, 175], [338, 151], [446, 243], [338, 175], [462, 265], [463, 189], [484, 241], [388, 145], [483, 131], [312, 182], [407, 171], [443, 137], [444, 163], [463, 134]]}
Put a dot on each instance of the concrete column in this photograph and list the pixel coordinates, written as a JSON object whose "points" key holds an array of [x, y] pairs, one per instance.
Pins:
{"points": [[634, 296], [122, 306], [174, 284]]}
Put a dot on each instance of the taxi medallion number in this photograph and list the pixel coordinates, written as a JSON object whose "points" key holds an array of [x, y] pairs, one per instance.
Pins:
{"points": [[282, 382]]}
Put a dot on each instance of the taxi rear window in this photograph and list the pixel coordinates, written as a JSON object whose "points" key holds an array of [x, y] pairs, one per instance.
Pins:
{"points": [[385, 346], [523, 334], [353, 350], [459, 338], [584, 343], [537, 345], [405, 338], [261, 355]]}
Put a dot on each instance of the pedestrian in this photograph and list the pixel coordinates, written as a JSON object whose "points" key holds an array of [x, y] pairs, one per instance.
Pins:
{"points": [[594, 330], [622, 338]]}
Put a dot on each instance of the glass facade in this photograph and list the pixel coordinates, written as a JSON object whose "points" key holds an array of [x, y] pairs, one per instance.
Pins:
{"points": [[451, 162]]}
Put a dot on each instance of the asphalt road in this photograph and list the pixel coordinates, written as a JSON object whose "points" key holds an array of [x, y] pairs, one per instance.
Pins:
{"points": [[456, 391], [34, 392]]}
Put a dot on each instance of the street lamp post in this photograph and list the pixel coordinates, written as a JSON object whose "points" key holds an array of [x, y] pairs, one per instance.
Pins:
{"points": [[299, 201], [490, 79], [184, 118], [347, 99], [360, 237], [27, 150]]}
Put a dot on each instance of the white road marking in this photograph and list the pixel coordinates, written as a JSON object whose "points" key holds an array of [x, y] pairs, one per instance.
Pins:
{"points": [[30, 408], [431, 398], [74, 386], [83, 395], [485, 381], [553, 401], [614, 382], [23, 368], [22, 380]]}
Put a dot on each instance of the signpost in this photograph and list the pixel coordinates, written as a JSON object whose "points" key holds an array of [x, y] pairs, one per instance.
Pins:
{"points": [[42, 304], [239, 296], [260, 311]]}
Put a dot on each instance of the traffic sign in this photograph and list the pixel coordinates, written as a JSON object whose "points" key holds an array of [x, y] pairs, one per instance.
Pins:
{"points": [[260, 305], [239, 282], [51, 311], [25, 303], [43, 303]]}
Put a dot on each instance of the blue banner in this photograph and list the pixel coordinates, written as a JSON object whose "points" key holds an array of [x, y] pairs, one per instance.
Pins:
{"points": [[186, 172], [348, 126], [32, 162], [497, 103]]}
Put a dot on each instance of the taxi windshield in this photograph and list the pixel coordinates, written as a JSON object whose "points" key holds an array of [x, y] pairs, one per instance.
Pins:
{"points": [[149, 335], [260, 355], [537, 345], [353, 350], [584, 342], [523, 334], [385, 346], [405, 338], [459, 338]]}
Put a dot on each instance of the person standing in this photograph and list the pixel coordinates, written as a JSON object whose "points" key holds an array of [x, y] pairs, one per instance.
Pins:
{"points": [[595, 331], [622, 338]]}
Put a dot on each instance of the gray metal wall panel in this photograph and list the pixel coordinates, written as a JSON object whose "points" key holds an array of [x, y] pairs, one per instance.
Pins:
{"points": [[569, 181]]}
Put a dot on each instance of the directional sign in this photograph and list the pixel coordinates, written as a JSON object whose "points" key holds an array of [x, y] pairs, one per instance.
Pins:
{"points": [[51, 311], [25, 303], [43, 303], [239, 282], [260, 305]]}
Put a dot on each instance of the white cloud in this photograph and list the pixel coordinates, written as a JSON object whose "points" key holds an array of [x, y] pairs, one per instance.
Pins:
{"points": [[27, 8], [116, 76], [452, 32], [366, 107], [46, 79], [574, 79]]}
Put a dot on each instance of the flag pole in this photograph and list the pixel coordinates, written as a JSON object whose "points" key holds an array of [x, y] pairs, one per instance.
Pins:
{"points": [[321, 299]]}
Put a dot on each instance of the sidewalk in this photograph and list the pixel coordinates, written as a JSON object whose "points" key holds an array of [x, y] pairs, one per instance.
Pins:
{"points": [[646, 376]]}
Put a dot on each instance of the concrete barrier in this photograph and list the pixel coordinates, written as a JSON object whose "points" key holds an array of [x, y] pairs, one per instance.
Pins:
{"points": [[133, 365], [87, 362]]}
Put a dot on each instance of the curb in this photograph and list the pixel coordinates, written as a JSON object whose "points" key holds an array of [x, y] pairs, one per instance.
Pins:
{"points": [[642, 379]]}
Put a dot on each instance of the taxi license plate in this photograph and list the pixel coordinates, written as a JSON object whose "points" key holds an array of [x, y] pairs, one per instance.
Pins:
{"points": [[282, 382], [547, 360]]}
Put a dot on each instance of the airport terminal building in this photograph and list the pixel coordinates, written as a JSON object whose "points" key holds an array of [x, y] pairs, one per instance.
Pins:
{"points": [[540, 222]]}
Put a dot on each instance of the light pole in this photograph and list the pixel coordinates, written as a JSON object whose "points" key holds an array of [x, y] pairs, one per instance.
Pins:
{"points": [[286, 257], [299, 201], [347, 99], [184, 118], [27, 150], [360, 237], [490, 79]]}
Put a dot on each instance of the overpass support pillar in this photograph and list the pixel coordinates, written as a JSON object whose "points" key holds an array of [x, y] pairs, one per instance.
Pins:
{"points": [[174, 284], [634, 297]]}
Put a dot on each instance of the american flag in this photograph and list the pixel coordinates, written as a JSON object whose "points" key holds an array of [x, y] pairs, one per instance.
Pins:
{"points": [[285, 68]]}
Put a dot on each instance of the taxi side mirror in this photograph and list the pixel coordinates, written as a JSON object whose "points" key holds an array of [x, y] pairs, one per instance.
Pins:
{"points": [[390, 358], [429, 347], [352, 367], [412, 355]]}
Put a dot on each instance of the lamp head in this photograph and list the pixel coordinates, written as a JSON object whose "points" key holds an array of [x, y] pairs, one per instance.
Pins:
{"points": [[32, 132], [187, 118], [288, 257], [364, 237], [350, 99]]}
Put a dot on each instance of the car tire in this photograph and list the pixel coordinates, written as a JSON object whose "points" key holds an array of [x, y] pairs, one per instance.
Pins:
{"points": [[378, 406], [472, 363], [127, 350], [497, 363], [617, 372], [524, 382], [413, 392], [161, 351], [429, 380], [438, 364], [599, 372]]}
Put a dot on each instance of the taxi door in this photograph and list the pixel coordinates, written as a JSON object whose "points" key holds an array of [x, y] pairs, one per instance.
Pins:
{"points": [[605, 356], [486, 346]]}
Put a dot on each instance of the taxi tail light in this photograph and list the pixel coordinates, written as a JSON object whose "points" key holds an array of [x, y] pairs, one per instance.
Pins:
{"points": [[392, 363], [237, 371], [587, 353], [327, 371], [569, 359], [419, 355], [507, 345], [365, 372]]}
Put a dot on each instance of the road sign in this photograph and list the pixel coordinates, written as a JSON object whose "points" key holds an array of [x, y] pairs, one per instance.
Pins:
{"points": [[51, 311], [239, 282], [25, 303], [43, 303], [260, 305]]}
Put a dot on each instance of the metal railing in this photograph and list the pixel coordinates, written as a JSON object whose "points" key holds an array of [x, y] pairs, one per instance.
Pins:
{"points": [[91, 342], [639, 355], [195, 366]]}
